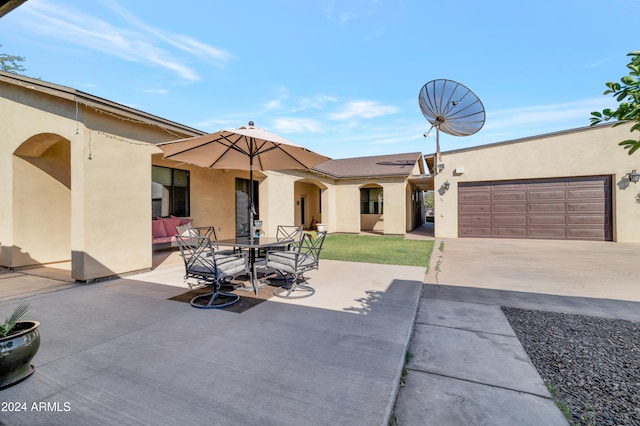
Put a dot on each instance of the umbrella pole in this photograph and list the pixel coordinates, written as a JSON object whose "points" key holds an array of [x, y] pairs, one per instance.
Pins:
{"points": [[251, 208]]}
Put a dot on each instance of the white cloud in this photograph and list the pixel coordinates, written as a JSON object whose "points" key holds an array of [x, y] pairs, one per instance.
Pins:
{"points": [[180, 41], [138, 43], [296, 104], [545, 115], [297, 125], [156, 91], [316, 102], [274, 104], [348, 10], [363, 109]]}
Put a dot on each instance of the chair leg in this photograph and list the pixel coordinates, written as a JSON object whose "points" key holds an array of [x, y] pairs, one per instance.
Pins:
{"points": [[214, 300], [287, 291]]}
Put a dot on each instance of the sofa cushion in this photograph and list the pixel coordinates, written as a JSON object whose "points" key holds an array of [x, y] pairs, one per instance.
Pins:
{"points": [[157, 229], [170, 224]]}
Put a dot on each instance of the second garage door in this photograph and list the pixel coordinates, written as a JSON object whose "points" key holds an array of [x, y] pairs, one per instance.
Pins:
{"points": [[576, 208]]}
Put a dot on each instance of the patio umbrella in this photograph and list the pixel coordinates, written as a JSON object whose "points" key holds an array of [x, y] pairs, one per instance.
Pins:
{"points": [[246, 147]]}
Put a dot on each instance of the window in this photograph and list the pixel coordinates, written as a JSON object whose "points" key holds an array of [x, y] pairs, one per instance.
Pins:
{"points": [[371, 201], [169, 192]]}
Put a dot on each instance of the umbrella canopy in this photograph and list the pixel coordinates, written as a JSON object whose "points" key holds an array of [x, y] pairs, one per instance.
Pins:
{"points": [[245, 148]]}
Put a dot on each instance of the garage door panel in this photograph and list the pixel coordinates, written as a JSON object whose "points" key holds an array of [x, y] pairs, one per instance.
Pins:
{"points": [[557, 233], [585, 207], [547, 208], [509, 232], [502, 220], [476, 208], [476, 197], [558, 208], [586, 194], [504, 186], [550, 219], [586, 181], [585, 234], [509, 208], [509, 196], [586, 220], [476, 219], [547, 195]]}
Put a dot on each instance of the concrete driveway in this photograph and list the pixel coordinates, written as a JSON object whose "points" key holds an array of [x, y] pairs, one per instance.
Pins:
{"points": [[467, 366], [565, 268]]}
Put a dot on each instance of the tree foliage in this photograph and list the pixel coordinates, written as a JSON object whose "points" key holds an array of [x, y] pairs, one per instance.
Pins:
{"points": [[627, 94], [11, 63], [429, 200]]}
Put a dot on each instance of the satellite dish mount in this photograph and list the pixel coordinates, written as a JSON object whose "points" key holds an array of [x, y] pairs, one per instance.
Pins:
{"points": [[452, 108]]}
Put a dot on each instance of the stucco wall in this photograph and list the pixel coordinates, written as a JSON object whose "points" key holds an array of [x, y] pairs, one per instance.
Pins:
{"points": [[581, 152], [282, 194], [84, 198], [349, 219], [394, 207]]}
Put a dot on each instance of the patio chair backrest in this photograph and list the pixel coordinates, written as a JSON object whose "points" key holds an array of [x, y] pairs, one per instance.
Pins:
{"points": [[286, 232], [198, 256], [311, 247], [202, 231]]}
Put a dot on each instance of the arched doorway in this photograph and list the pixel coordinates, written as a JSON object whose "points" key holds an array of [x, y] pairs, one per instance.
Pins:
{"points": [[41, 201], [310, 204]]}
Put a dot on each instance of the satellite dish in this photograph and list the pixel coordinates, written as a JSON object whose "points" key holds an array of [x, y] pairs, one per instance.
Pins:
{"points": [[452, 108]]}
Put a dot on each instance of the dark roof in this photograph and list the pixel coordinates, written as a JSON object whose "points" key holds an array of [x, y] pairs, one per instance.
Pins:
{"points": [[378, 166], [7, 6]]}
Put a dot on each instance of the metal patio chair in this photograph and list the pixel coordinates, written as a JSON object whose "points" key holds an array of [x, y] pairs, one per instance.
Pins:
{"points": [[285, 232], [209, 268], [293, 263]]}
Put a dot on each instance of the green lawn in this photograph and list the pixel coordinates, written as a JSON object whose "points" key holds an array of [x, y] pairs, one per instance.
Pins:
{"points": [[390, 250]]}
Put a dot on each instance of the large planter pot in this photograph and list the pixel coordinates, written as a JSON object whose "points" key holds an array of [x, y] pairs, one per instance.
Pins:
{"points": [[16, 352]]}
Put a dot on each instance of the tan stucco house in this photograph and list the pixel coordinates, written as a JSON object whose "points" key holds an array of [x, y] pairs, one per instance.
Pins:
{"points": [[81, 180], [573, 184]]}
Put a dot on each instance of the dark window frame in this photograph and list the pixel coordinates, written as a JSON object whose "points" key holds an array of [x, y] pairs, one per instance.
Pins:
{"points": [[179, 204], [365, 201]]}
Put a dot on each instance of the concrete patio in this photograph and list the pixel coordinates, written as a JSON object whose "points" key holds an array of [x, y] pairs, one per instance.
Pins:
{"points": [[119, 352]]}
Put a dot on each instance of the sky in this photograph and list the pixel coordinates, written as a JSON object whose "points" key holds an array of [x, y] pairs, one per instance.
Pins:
{"points": [[341, 77]]}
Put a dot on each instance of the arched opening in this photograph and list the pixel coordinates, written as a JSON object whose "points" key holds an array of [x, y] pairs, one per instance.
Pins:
{"points": [[310, 209], [42, 201], [372, 208]]}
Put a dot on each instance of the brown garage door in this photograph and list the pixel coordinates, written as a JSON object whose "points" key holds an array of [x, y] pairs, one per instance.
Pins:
{"points": [[562, 208]]}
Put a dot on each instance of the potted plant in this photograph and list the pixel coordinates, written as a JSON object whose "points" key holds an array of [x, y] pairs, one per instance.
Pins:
{"points": [[19, 342]]}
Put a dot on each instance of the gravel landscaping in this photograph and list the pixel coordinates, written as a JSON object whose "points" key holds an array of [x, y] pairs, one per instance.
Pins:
{"points": [[590, 364]]}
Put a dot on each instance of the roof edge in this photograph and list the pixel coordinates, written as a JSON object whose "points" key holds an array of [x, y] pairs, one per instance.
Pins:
{"points": [[96, 102], [525, 139]]}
